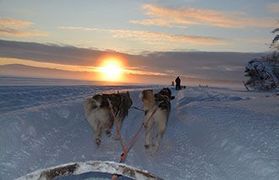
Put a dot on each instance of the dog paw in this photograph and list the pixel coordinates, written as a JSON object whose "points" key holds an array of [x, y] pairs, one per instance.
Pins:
{"points": [[98, 142]]}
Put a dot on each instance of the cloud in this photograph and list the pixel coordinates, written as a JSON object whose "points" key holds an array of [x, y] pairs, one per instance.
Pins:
{"points": [[50, 53], [165, 65], [18, 28], [8, 32], [80, 28], [273, 7], [20, 70], [67, 58], [157, 37], [153, 37], [17, 23], [75, 68], [184, 17]]}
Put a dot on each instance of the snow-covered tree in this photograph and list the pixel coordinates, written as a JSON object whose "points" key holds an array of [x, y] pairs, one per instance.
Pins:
{"points": [[263, 72], [275, 41]]}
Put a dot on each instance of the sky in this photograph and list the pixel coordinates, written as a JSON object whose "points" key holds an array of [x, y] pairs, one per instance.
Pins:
{"points": [[156, 40]]}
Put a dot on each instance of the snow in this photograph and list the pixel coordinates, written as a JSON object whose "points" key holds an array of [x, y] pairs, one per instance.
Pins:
{"points": [[212, 133]]}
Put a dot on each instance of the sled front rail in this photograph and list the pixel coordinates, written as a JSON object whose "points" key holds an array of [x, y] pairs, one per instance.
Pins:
{"points": [[77, 168]]}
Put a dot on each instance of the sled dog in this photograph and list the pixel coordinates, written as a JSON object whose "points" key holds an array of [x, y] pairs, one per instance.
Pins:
{"points": [[157, 109], [102, 110]]}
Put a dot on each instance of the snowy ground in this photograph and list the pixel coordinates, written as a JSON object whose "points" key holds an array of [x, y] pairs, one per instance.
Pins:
{"points": [[212, 133]]}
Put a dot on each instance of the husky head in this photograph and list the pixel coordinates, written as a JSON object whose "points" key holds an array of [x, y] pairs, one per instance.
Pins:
{"points": [[163, 98], [166, 92]]}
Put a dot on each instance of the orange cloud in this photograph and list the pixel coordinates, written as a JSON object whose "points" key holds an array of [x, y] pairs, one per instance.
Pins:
{"points": [[18, 28], [79, 28], [158, 37], [154, 37], [14, 23], [170, 17]]}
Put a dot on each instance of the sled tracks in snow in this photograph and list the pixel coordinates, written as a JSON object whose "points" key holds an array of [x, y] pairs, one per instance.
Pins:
{"points": [[78, 168]]}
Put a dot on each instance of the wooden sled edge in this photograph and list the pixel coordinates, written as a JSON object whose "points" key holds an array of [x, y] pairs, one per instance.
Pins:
{"points": [[76, 168]]}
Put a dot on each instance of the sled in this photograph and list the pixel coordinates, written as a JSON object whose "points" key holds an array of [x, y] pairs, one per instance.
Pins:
{"points": [[78, 168]]}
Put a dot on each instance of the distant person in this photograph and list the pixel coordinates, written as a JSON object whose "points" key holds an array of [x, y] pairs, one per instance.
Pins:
{"points": [[172, 83], [178, 83]]}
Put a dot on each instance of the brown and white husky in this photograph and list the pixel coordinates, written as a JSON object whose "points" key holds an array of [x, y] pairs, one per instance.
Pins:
{"points": [[157, 108], [103, 109]]}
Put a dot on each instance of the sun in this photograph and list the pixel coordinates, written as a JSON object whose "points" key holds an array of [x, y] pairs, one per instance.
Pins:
{"points": [[111, 69]]}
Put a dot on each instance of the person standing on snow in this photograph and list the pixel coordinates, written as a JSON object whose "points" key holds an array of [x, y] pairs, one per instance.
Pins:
{"points": [[178, 83]]}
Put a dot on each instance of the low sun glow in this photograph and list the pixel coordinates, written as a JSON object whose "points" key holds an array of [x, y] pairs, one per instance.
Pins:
{"points": [[111, 70]]}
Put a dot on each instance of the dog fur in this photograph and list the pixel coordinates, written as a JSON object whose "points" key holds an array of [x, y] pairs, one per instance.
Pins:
{"points": [[98, 112], [157, 109]]}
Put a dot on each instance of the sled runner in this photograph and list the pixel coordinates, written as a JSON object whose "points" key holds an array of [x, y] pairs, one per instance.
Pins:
{"points": [[78, 168]]}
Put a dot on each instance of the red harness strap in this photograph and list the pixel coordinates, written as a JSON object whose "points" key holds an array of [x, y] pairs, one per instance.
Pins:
{"points": [[130, 144], [128, 147]]}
